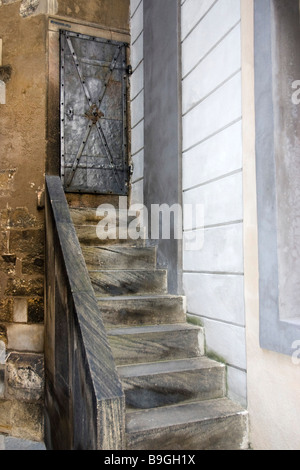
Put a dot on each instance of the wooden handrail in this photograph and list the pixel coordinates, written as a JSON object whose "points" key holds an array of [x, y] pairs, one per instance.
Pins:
{"points": [[84, 399]]}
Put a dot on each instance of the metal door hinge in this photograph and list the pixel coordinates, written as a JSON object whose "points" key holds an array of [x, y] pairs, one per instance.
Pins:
{"points": [[129, 69]]}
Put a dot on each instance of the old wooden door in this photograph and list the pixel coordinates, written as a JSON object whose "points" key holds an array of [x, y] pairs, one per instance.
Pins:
{"points": [[94, 157]]}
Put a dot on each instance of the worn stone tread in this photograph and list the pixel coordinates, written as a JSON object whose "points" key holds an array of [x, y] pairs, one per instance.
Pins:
{"points": [[87, 235], [203, 425], [154, 329], [156, 343], [141, 310], [119, 257], [132, 282], [165, 383], [88, 215], [165, 367]]}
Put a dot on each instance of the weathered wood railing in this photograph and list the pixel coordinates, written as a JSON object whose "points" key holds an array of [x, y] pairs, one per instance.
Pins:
{"points": [[84, 400]]}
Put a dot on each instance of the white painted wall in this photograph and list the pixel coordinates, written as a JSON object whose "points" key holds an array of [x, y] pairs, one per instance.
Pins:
{"points": [[212, 169], [137, 100], [212, 176]]}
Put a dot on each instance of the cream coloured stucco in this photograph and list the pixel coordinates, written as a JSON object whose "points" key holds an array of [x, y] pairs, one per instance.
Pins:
{"points": [[273, 379]]}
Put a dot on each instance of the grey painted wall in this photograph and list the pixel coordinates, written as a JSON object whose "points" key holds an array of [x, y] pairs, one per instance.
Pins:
{"points": [[287, 153], [162, 172], [275, 145]]}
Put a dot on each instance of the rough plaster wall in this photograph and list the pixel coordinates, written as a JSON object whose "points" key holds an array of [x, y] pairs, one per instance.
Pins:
{"points": [[212, 176]]}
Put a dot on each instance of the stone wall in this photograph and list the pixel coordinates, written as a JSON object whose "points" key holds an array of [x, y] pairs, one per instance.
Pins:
{"points": [[22, 157], [24, 133]]}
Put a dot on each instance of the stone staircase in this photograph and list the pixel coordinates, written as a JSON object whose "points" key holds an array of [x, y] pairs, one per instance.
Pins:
{"points": [[175, 396]]}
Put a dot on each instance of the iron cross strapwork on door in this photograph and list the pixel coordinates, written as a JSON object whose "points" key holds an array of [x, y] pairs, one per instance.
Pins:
{"points": [[94, 157]]}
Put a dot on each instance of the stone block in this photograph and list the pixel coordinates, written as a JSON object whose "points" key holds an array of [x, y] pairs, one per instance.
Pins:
{"points": [[33, 265], [222, 202], [137, 81], [222, 251], [28, 7], [227, 341], [20, 310], [191, 13], [137, 23], [137, 138], [24, 377], [8, 261], [237, 385], [215, 113], [6, 310], [25, 337], [222, 62], [36, 310], [20, 217], [25, 287], [3, 334], [138, 166], [215, 296], [215, 157], [28, 241], [137, 109], [21, 419], [213, 27], [137, 52]]}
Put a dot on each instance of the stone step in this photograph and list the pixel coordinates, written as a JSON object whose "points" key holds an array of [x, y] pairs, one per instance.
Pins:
{"points": [[14, 443], [217, 424], [166, 383], [88, 216], [129, 282], [119, 257], [156, 343], [87, 235], [142, 310]]}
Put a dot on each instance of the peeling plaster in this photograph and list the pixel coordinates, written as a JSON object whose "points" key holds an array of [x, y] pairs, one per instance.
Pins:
{"points": [[34, 7], [7, 2], [28, 7]]}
